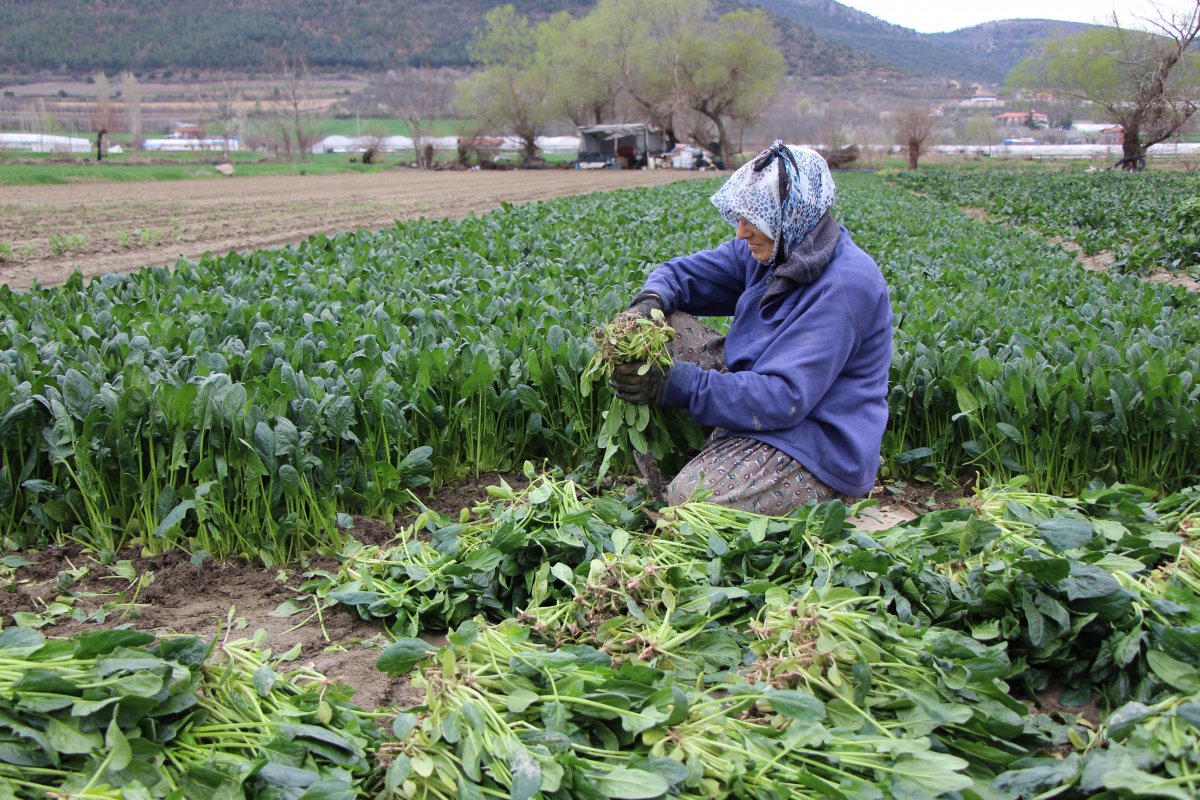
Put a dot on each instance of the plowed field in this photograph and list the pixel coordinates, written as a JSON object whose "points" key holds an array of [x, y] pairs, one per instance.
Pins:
{"points": [[103, 227]]}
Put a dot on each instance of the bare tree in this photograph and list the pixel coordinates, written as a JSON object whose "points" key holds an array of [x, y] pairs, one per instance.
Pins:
{"points": [[222, 103], [292, 102], [835, 142], [372, 142], [913, 126], [418, 95], [131, 93], [104, 118], [427, 95]]}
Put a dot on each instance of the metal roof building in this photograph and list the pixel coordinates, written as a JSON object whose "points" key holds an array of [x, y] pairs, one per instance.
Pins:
{"points": [[632, 141]]}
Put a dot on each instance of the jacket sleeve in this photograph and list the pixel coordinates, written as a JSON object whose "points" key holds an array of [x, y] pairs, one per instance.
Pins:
{"points": [[788, 380], [707, 283]]}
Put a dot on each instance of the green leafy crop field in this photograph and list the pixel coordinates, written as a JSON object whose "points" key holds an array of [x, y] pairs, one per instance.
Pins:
{"points": [[1041, 641], [239, 404], [1147, 220]]}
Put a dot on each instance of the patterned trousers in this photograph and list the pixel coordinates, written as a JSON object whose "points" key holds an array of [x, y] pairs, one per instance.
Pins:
{"points": [[736, 471]]}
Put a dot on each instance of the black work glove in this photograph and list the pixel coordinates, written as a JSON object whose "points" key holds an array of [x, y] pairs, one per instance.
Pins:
{"points": [[641, 307], [640, 389]]}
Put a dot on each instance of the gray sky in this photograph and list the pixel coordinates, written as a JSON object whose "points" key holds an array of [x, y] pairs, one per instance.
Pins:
{"points": [[933, 16]]}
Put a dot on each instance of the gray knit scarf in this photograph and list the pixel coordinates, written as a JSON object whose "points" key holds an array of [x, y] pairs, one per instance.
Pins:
{"points": [[807, 260]]}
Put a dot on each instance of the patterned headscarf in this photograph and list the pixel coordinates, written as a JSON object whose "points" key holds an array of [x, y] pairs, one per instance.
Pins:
{"points": [[784, 206]]}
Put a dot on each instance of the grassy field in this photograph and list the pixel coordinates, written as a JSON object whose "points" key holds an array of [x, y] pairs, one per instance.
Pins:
{"points": [[24, 169], [120, 169]]}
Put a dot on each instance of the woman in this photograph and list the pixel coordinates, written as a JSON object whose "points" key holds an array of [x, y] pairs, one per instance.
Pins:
{"points": [[797, 390]]}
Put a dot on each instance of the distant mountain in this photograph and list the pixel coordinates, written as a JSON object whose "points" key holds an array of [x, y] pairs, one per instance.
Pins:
{"points": [[985, 53], [994, 48], [809, 54], [819, 38]]}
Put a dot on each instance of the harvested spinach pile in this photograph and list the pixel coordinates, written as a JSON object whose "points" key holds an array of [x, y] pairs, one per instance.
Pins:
{"points": [[1027, 647], [1031, 646], [123, 714], [514, 717]]}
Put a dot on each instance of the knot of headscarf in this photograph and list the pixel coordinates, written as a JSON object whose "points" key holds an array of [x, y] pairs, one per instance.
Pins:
{"points": [[784, 192]]}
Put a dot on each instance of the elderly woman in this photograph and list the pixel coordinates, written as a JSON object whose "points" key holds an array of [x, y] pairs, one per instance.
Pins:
{"points": [[797, 390]]}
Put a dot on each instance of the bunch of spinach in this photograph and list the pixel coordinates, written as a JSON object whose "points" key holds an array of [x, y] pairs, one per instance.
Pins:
{"points": [[486, 564], [503, 715], [664, 433], [122, 714]]}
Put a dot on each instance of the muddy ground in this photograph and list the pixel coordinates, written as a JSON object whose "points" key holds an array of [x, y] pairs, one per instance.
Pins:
{"points": [[169, 594], [102, 227]]}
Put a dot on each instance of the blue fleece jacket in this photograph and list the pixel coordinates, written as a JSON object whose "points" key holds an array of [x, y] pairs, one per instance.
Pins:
{"points": [[807, 373]]}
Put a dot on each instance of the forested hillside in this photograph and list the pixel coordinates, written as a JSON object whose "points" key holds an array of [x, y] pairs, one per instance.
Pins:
{"points": [[244, 34], [994, 48], [818, 37], [983, 52]]}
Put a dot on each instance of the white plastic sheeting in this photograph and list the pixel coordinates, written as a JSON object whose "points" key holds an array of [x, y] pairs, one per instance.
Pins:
{"points": [[393, 144], [1112, 151], [44, 143]]}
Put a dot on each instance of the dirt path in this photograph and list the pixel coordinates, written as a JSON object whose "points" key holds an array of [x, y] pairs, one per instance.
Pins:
{"points": [[1103, 262], [104, 227]]}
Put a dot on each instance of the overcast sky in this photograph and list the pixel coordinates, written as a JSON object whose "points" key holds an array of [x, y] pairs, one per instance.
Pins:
{"points": [[933, 16]]}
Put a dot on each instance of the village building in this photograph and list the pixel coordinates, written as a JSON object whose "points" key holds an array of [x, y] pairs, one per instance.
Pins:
{"points": [[1019, 119]]}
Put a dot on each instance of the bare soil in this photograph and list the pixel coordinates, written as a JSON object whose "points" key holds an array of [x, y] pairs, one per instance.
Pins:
{"points": [[232, 599], [121, 227], [226, 600]]}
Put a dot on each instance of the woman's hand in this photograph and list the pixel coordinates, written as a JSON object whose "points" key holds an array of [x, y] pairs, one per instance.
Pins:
{"points": [[640, 383], [642, 307]]}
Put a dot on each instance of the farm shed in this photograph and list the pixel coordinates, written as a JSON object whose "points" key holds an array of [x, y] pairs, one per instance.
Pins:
{"points": [[624, 145]]}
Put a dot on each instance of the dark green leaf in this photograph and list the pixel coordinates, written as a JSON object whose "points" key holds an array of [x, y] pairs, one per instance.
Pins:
{"points": [[401, 656], [174, 518], [1051, 570], [1173, 672], [1063, 533], [101, 643], [797, 705], [624, 783], [1088, 581], [20, 642]]}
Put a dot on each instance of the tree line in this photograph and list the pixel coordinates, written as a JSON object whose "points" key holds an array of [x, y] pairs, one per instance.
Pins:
{"points": [[697, 76]]}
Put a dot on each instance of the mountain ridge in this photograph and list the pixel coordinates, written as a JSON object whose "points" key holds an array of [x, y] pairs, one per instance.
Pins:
{"points": [[819, 38]]}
